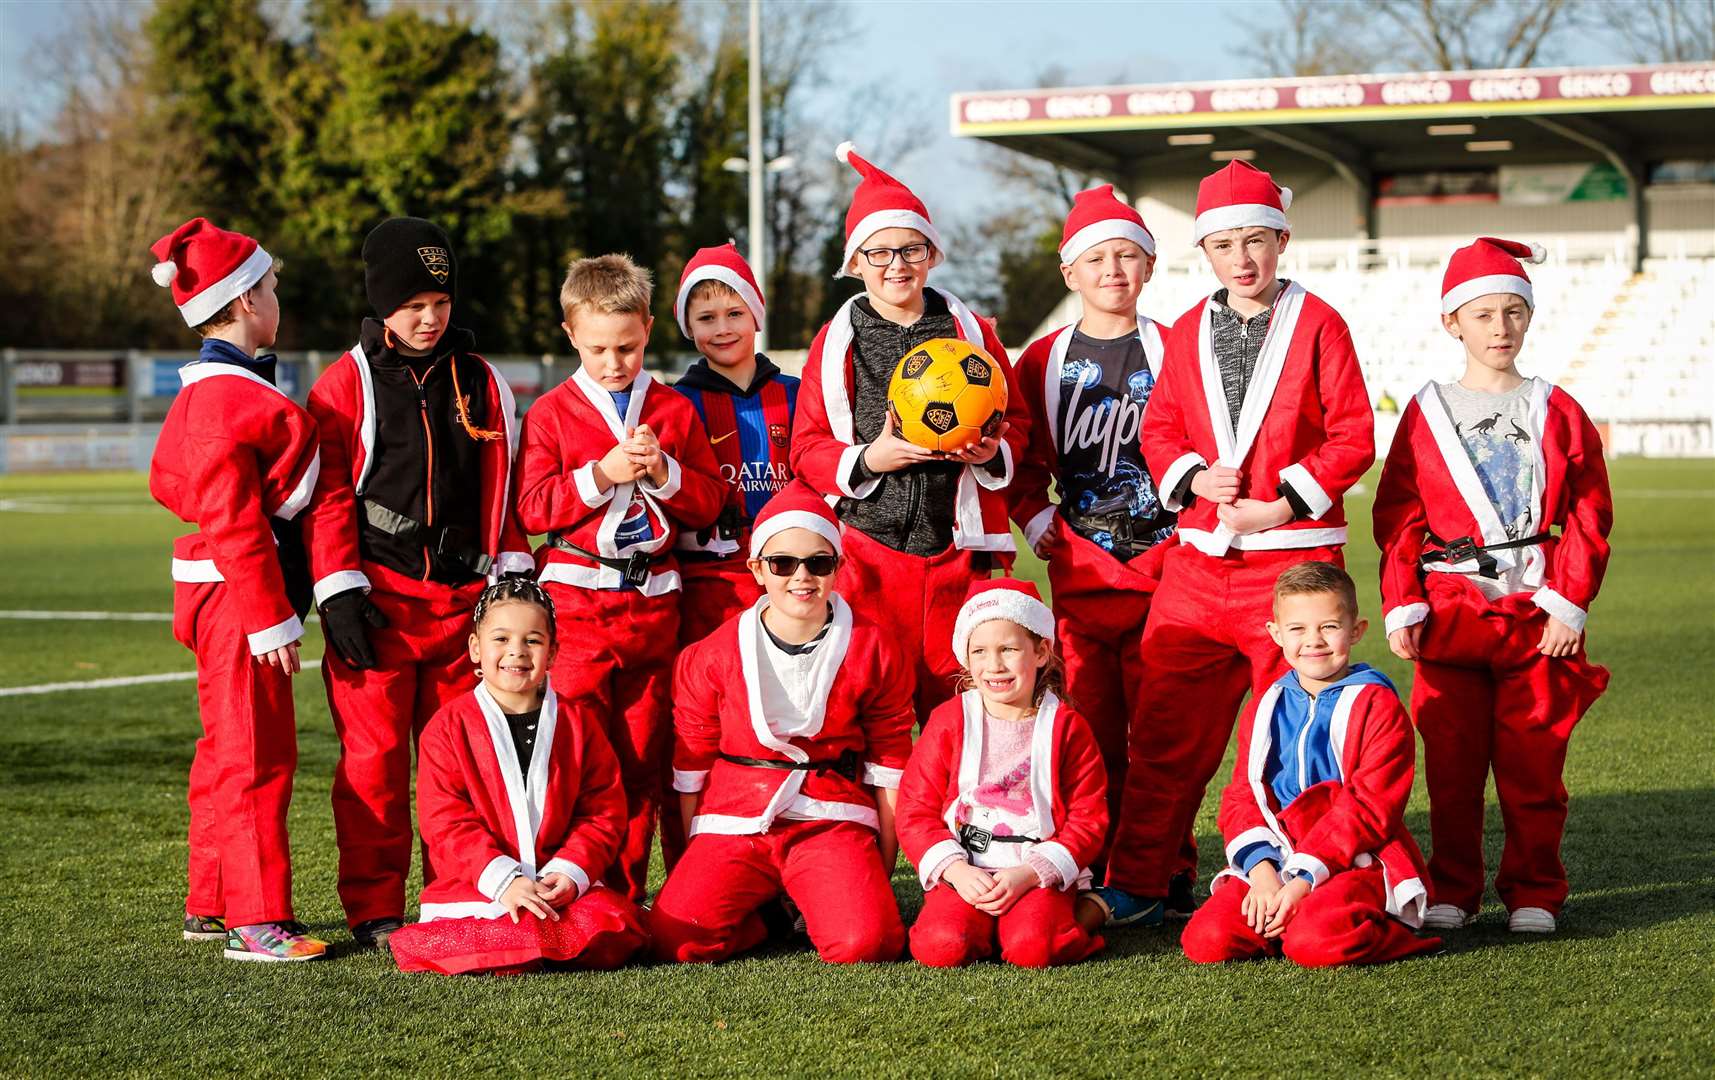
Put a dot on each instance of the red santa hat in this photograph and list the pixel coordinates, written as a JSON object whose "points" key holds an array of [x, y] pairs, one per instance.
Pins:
{"points": [[1237, 197], [1096, 217], [207, 267], [1488, 265], [1001, 598], [795, 506], [725, 265], [881, 202]]}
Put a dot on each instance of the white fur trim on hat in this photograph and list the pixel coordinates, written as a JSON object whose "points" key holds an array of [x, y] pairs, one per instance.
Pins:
{"points": [[1008, 604], [163, 273], [843, 152], [206, 304], [1239, 216], [1538, 253], [772, 526], [1466, 291], [727, 276], [1098, 232], [891, 219]]}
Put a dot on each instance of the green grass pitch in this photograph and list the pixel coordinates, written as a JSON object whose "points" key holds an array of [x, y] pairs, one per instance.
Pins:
{"points": [[95, 980]]}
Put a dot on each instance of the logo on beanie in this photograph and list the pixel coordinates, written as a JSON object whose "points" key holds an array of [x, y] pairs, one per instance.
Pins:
{"points": [[437, 262]]}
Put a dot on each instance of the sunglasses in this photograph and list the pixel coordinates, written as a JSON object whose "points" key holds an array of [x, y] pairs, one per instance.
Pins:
{"points": [[787, 565]]}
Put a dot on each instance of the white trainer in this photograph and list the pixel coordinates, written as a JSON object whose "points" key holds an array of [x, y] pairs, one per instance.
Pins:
{"points": [[1447, 917], [1531, 920]]}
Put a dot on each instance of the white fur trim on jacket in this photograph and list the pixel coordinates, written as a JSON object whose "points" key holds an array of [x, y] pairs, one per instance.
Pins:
{"points": [[1560, 607], [1305, 486], [1405, 615], [568, 868], [276, 636], [339, 581]]}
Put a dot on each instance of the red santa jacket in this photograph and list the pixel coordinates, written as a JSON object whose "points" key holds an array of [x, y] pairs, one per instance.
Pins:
{"points": [[862, 705], [343, 403], [482, 820], [1337, 825], [1429, 485], [824, 436], [566, 432], [1068, 786], [233, 452], [1306, 420]]}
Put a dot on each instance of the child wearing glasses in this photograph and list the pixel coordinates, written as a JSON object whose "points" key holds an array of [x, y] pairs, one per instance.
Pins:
{"points": [[916, 522], [794, 726]]}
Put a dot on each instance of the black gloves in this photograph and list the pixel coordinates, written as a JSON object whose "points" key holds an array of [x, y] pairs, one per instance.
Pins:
{"points": [[346, 618]]}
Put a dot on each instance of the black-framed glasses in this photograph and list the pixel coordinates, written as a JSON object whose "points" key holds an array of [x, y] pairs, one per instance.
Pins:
{"points": [[883, 256], [787, 565]]}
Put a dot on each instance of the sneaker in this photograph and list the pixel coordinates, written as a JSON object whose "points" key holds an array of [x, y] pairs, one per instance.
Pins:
{"points": [[373, 933], [1125, 909], [1532, 920], [205, 928], [1447, 917], [1181, 902], [273, 943]]}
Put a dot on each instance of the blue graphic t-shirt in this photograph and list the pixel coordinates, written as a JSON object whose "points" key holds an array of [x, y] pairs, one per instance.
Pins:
{"points": [[1495, 431], [1104, 387]]}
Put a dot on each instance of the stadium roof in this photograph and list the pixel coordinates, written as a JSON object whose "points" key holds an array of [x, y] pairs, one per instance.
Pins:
{"points": [[1363, 124]]}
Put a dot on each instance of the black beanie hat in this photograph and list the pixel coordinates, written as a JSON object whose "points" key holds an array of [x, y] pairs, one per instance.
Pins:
{"points": [[403, 257]]}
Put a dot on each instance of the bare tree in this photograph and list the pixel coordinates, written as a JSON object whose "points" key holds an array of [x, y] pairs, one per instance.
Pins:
{"points": [[1662, 31], [1454, 35], [1320, 38]]}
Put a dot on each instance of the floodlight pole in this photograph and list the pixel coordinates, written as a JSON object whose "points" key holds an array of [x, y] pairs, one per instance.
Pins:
{"points": [[758, 240]]}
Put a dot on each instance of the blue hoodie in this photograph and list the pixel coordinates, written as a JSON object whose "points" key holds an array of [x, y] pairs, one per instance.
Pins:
{"points": [[1300, 752]]}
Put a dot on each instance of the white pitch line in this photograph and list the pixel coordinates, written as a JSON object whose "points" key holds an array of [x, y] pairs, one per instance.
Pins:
{"points": [[106, 684], [90, 616]]}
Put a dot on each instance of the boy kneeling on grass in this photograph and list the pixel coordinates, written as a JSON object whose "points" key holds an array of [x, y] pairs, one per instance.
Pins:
{"points": [[1320, 864]]}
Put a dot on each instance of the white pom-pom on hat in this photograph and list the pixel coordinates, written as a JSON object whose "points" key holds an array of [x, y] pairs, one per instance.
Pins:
{"points": [[843, 152], [1285, 198], [163, 273], [1538, 253]]}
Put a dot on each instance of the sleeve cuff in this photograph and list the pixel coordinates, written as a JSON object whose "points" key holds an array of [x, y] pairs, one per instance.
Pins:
{"points": [[1405, 615], [1046, 872], [668, 489], [568, 868], [1037, 527], [1300, 488], [941, 869], [266, 641], [689, 781], [1058, 854], [929, 867], [1175, 485], [986, 474], [514, 562], [340, 581], [1242, 842], [855, 479], [497, 875], [1560, 607], [1310, 864], [306, 487], [881, 776], [584, 477], [1259, 852]]}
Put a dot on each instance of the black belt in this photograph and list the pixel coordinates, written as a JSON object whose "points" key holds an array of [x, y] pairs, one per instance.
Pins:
{"points": [[978, 840], [1465, 547], [634, 568], [1127, 531], [847, 764], [449, 543]]}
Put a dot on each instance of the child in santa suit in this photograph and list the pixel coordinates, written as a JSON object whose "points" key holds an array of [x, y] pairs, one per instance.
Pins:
{"points": [[1004, 802], [1086, 386], [746, 404], [917, 523], [794, 726], [611, 467], [238, 460], [1483, 595], [410, 519], [518, 793], [1320, 864], [1258, 426]]}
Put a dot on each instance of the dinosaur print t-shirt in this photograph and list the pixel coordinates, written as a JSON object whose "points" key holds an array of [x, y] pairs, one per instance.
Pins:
{"points": [[1495, 431]]}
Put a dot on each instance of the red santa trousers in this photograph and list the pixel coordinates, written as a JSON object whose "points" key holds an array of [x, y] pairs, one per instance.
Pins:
{"points": [[714, 590], [916, 600], [1485, 697], [1037, 931], [1206, 644], [831, 869], [1344, 920], [422, 661], [599, 931], [617, 649], [241, 774]]}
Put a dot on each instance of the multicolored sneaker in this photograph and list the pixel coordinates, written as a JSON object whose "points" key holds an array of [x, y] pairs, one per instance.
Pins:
{"points": [[273, 943], [373, 933], [205, 928], [1181, 901], [1126, 909]]}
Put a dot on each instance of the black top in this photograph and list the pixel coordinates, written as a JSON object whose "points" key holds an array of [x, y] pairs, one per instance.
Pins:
{"points": [[417, 430], [523, 726], [700, 376]]}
